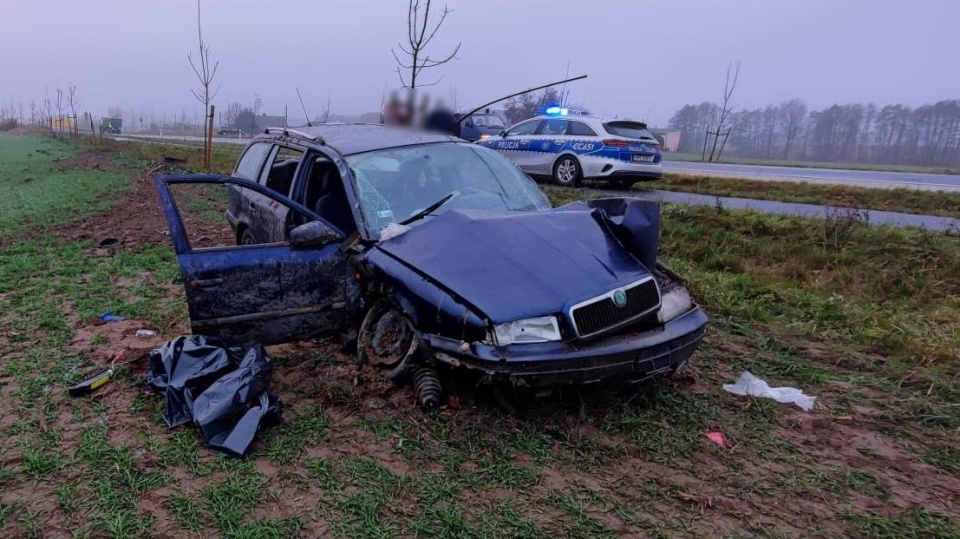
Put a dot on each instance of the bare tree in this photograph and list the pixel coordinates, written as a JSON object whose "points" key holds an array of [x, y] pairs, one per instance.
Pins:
{"points": [[33, 112], [419, 35], [205, 73], [232, 112], [257, 105], [59, 105], [728, 88], [326, 110], [74, 103], [455, 99], [794, 114]]}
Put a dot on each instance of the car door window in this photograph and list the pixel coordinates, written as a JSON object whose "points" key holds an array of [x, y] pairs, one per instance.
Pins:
{"points": [[249, 165], [280, 174], [580, 129], [524, 128], [553, 128]]}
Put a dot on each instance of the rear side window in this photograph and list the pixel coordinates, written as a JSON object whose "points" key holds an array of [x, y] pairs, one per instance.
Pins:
{"points": [[635, 130], [554, 127], [524, 128], [580, 129], [282, 170], [249, 165]]}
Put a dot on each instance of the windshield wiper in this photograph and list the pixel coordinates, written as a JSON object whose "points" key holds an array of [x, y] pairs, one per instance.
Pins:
{"points": [[429, 209]]}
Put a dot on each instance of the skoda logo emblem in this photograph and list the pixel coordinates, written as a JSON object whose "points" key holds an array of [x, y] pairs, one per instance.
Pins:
{"points": [[620, 298]]}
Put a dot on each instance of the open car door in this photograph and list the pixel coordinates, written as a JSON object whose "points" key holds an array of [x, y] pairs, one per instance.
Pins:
{"points": [[274, 292]]}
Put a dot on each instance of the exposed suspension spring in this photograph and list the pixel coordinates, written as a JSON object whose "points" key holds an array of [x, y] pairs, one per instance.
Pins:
{"points": [[428, 387]]}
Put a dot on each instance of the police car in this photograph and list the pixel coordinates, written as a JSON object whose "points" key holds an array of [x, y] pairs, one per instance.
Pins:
{"points": [[568, 147]]}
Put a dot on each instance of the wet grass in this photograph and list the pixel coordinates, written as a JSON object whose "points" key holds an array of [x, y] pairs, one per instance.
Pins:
{"points": [[865, 318], [941, 203], [39, 184]]}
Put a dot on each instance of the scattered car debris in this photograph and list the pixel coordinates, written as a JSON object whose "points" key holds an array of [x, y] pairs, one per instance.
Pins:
{"points": [[146, 333], [88, 386], [221, 390], [111, 317], [718, 438], [750, 385]]}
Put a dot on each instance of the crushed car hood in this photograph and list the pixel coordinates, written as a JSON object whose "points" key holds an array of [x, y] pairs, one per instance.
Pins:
{"points": [[524, 264]]}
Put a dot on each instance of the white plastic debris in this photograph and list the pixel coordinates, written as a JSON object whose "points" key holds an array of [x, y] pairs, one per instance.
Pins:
{"points": [[392, 231], [145, 333], [750, 385]]}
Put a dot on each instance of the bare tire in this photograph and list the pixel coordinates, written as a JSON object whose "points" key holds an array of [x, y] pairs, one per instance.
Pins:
{"points": [[566, 171], [387, 340], [247, 238]]}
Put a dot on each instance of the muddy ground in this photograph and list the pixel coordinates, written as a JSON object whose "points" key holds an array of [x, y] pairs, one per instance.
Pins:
{"points": [[355, 457]]}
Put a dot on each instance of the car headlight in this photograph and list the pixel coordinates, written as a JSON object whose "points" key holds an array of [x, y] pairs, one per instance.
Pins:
{"points": [[482, 137], [674, 303], [531, 330]]}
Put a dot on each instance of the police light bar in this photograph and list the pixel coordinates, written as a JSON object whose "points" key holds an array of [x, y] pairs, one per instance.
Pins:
{"points": [[557, 111]]}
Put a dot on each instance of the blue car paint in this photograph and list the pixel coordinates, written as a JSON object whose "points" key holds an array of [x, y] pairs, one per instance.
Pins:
{"points": [[516, 265], [432, 310], [627, 356], [271, 293]]}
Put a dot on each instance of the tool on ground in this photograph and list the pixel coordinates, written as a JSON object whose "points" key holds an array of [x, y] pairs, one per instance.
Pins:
{"points": [[87, 386]]}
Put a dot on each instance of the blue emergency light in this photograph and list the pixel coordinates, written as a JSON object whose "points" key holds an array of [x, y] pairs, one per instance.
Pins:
{"points": [[557, 111]]}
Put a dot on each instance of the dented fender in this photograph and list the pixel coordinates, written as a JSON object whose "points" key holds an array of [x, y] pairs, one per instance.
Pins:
{"points": [[432, 309]]}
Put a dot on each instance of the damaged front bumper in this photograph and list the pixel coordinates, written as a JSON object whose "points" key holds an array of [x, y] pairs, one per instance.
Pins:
{"points": [[629, 356]]}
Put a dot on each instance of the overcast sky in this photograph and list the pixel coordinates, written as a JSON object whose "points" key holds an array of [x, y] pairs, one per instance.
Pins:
{"points": [[644, 58]]}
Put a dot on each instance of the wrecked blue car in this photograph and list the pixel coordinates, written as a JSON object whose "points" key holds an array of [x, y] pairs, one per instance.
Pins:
{"points": [[427, 251]]}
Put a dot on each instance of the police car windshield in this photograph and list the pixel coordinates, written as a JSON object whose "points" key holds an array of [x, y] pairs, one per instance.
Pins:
{"points": [[487, 120], [629, 129], [394, 185]]}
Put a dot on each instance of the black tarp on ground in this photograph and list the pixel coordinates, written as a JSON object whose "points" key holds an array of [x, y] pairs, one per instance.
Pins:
{"points": [[222, 390]]}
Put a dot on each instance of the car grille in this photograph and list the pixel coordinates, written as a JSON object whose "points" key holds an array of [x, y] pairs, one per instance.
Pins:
{"points": [[603, 313]]}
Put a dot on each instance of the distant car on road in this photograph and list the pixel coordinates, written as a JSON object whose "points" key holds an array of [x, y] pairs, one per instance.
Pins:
{"points": [[229, 131], [569, 148], [481, 125]]}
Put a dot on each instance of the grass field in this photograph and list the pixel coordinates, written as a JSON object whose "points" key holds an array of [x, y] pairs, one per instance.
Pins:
{"points": [[865, 318], [946, 204], [680, 156]]}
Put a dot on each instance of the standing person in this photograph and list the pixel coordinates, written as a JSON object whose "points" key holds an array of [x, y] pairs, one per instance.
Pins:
{"points": [[393, 112], [442, 120]]}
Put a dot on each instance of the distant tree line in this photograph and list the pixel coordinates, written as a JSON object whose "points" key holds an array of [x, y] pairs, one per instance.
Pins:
{"points": [[928, 135]]}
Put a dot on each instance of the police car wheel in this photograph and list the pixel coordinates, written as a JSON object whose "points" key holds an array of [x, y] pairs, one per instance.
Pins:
{"points": [[566, 171]]}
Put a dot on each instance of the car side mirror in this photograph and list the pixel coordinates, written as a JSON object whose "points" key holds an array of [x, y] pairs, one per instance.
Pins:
{"points": [[312, 234], [503, 134], [468, 123]]}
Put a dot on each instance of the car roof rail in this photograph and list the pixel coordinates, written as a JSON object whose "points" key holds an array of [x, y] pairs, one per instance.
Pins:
{"points": [[285, 131]]}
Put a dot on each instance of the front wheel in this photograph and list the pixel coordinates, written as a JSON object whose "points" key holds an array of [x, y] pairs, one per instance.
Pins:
{"points": [[566, 171], [387, 340]]}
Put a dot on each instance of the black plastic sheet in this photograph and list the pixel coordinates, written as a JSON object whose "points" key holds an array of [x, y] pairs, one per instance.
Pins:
{"points": [[222, 390]]}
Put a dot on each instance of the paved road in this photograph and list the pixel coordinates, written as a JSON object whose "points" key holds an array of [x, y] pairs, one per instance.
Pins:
{"points": [[861, 178], [174, 139], [873, 217]]}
